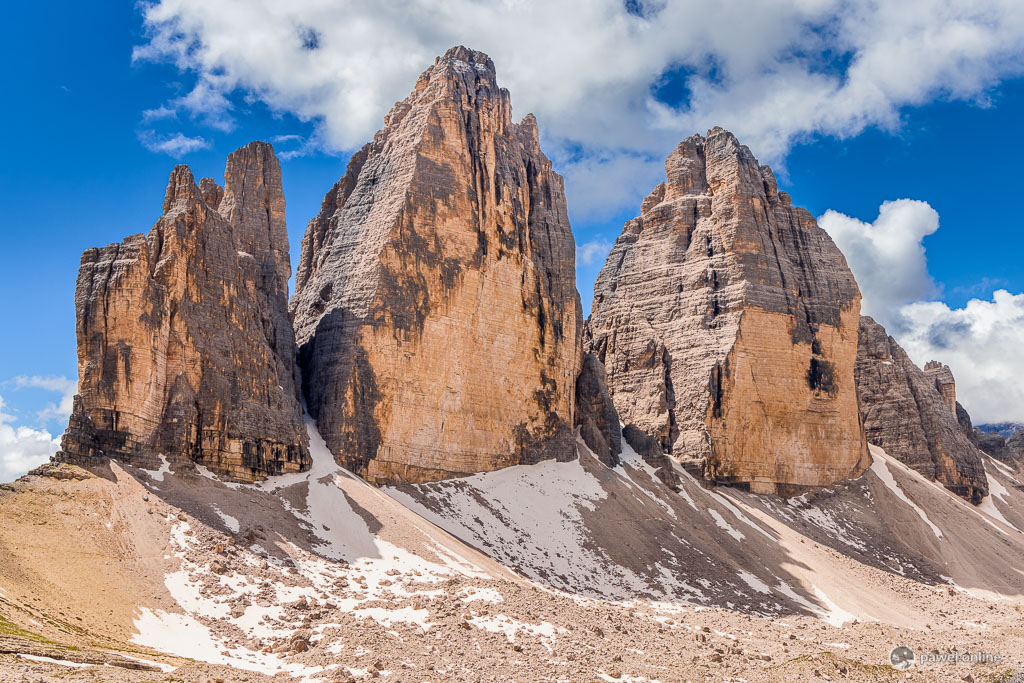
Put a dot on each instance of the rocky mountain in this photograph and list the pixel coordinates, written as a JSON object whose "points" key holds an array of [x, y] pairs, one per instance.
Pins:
{"points": [[1008, 449], [185, 347], [913, 414], [435, 306], [1004, 429], [727, 322]]}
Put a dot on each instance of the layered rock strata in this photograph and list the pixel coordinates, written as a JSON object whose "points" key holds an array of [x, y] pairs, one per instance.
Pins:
{"points": [[185, 346], [727, 322], [435, 306], [906, 412], [942, 377]]}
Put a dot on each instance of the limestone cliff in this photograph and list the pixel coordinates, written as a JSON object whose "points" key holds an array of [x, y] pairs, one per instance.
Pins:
{"points": [[435, 305], [727, 322], [595, 412], [907, 411], [185, 347]]}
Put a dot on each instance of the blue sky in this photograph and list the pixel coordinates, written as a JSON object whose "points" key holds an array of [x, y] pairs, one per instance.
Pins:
{"points": [[82, 165]]}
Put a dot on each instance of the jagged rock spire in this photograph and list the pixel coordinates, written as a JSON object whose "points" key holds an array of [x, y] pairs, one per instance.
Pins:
{"points": [[435, 304]]}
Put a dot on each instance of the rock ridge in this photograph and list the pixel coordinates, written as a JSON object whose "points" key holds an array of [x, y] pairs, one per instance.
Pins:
{"points": [[906, 411]]}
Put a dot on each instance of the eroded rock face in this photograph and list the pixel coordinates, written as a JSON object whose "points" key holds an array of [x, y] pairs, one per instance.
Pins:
{"points": [[906, 412], [727, 322], [1008, 450], [942, 376], [185, 347], [595, 412], [435, 305]]}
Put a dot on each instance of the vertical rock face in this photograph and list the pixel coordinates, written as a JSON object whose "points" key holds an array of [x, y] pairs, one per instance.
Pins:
{"points": [[185, 347], [727, 322], [906, 413], [595, 412], [435, 305], [942, 376]]}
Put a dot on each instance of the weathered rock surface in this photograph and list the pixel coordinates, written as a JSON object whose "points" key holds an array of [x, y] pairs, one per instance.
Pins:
{"points": [[185, 347], [907, 413], [595, 412], [435, 305], [1010, 449], [727, 322], [942, 376]]}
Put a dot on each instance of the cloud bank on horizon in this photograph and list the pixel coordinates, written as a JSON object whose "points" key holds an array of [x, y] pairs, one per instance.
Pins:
{"points": [[23, 447], [981, 342], [616, 84]]}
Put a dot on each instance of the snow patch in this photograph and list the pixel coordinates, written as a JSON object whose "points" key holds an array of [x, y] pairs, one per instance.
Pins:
{"points": [[881, 470], [724, 525], [996, 490], [165, 468], [229, 521], [754, 582], [51, 660], [836, 615]]}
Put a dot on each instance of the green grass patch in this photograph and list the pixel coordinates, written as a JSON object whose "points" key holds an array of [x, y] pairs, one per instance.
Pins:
{"points": [[9, 628]]}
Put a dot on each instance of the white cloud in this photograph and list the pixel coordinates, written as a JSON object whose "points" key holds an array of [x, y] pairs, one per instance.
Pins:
{"points": [[176, 145], [22, 448], [53, 410], [981, 342], [159, 114], [773, 71], [887, 256], [593, 252]]}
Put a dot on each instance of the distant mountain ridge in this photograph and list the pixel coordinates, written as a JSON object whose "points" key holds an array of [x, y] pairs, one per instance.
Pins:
{"points": [[1003, 429]]}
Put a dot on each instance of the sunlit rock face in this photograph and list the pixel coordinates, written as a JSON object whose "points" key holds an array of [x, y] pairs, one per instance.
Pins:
{"points": [[185, 346], [727, 322], [435, 307]]}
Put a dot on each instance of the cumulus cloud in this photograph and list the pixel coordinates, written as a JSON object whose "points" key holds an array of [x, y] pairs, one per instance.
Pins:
{"points": [[159, 114], [593, 252], [981, 342], [22, 448], [887, 256], [773, 71], [58, 384], [176, 145]]}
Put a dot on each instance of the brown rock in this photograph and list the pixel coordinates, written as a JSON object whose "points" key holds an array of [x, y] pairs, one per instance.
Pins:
{"points": [[727, 323], [435, 306], [905, 414], [942, 376], [184, 343]]}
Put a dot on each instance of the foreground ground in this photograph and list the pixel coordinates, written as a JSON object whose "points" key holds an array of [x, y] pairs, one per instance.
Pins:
{"points": [[562, 571]]}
